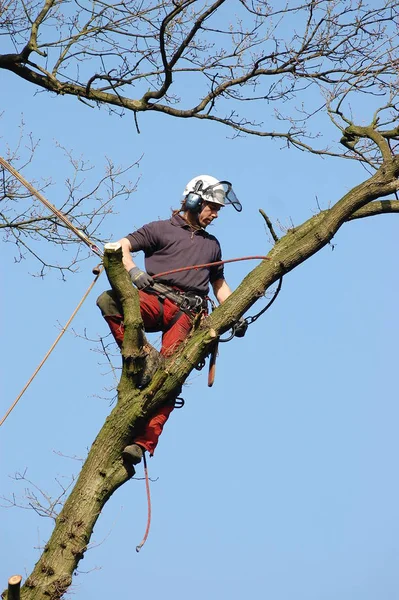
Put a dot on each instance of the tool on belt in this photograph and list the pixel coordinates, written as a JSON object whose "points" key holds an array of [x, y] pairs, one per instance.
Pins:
{"points": [[187, 302], [191, 304]]}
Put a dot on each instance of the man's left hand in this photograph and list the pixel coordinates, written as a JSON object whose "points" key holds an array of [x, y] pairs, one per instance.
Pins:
{"points": [[240, 328], [140, 278]]}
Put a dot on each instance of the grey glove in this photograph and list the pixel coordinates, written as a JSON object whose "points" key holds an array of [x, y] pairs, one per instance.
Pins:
{"points": [[240, 328], [140, 278]]}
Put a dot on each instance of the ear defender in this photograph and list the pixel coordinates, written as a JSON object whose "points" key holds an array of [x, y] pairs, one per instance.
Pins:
{"points": [[193, 202]]}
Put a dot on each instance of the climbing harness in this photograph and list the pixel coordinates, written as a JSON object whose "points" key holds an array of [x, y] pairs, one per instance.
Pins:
{"points": [[188, 303], [191, 303]]}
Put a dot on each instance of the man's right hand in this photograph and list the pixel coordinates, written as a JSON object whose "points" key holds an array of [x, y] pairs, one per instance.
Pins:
{"points": [[140, 278]]}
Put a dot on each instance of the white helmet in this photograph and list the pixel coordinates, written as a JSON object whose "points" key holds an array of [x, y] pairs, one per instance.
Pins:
{"points": [[209, 189]]}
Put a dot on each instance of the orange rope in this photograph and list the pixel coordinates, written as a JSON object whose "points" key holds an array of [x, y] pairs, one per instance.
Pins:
{"points": [[52, 347], [147, 486], [211, 264]]}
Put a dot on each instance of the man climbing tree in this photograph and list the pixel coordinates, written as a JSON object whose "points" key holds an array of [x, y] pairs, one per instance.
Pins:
{"points": [[319, 76], [171, 302]]}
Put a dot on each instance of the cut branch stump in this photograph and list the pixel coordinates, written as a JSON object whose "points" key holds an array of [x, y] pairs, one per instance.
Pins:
{"points": [[14, 584]]}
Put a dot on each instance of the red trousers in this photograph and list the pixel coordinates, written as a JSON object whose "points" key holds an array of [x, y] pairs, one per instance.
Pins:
{"points": [[156, 317]]}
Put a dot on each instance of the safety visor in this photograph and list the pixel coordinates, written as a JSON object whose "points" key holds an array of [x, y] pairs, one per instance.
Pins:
{"points": [[221, 193]]}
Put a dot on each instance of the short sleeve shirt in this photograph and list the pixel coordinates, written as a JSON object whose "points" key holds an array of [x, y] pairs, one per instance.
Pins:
{"points": [[172, 244]]}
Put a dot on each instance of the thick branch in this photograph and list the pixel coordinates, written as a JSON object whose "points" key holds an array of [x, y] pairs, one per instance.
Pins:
{"points": [[15, 63], [355, 132], [382, 207], [134, 339]]}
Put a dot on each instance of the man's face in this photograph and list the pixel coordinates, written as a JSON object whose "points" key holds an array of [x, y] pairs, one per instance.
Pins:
{"points": [[209, 212]]}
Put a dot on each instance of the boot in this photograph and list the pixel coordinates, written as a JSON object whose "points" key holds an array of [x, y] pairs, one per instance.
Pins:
{"points": [[133, 454], [154, 361]]}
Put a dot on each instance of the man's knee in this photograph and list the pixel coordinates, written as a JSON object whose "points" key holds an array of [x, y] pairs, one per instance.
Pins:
{"points": [[109, 305], [174, 336]]}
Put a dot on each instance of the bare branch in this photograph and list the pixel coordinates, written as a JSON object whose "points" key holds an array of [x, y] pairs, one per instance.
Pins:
{"points": [[382, 207], [318, 54], [269, 225], [25, 222]]}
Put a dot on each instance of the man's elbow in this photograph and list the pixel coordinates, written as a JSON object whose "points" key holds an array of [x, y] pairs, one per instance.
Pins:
{"points": [[126, 251], [124, 242]]}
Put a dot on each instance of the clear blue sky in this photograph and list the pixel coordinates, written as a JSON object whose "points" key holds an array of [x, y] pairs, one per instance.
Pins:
{"points": [[279, 482]]}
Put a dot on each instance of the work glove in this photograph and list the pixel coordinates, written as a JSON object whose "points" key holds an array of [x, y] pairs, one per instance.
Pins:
{"points": [[240, 328], [140, 278]]}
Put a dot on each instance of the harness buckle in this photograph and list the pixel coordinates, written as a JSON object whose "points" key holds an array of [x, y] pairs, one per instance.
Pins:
{"points": [[194, 303]]}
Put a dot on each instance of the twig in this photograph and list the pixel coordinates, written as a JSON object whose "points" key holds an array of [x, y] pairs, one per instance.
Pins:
{"points": [[269, 225], [136, 122]]}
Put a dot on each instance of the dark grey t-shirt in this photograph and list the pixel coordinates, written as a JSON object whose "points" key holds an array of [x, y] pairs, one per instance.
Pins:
{"points": [[172, 244]]}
